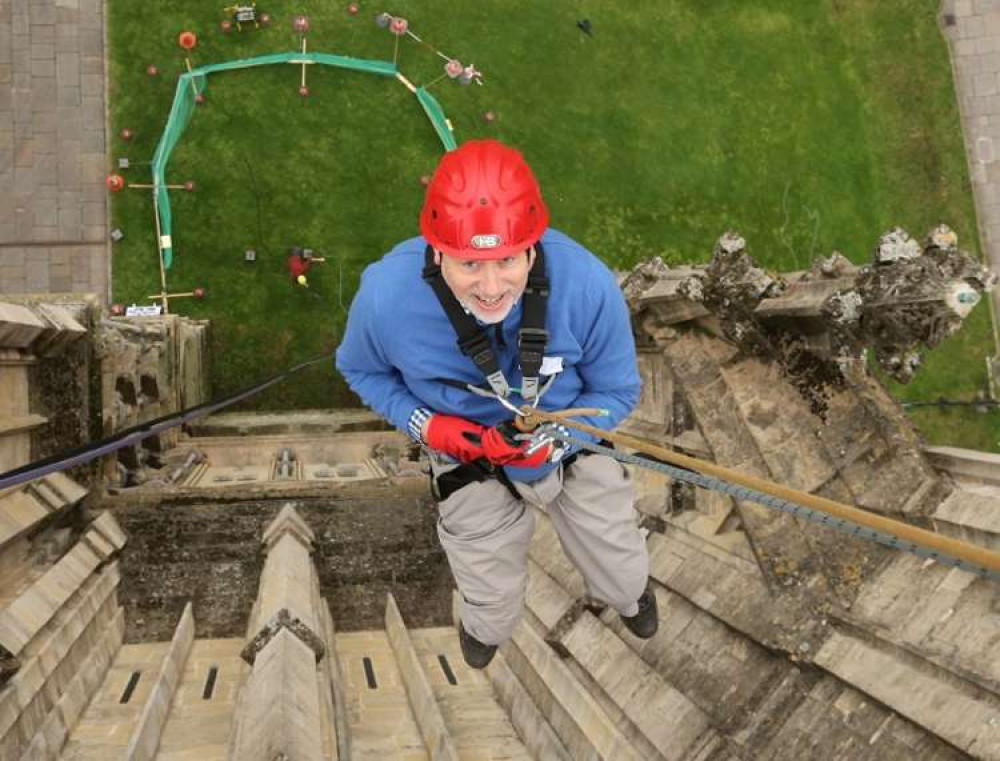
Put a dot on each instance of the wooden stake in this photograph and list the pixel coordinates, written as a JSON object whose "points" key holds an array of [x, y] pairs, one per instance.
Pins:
{"points": [[194, 90], [147, 186], [303, 82], [159, 253], [170, 295]]}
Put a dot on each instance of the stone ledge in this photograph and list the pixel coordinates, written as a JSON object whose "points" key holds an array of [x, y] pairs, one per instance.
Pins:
{"points": [[288, 521], [55, 730], [110, 531], [10, 426], [61, 329], [664, 715], [581, 723], [19, 327], [436, 736], [58, 653], [961, 714], [23, 507], [531, 725], [24, 618], [968, 464], [145, 739]]}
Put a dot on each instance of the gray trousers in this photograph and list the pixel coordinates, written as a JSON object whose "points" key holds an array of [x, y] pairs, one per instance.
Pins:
{"points": [[485, 532]]}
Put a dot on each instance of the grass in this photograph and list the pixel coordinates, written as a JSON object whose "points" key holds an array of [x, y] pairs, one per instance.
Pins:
{"points": [[807, 127]]}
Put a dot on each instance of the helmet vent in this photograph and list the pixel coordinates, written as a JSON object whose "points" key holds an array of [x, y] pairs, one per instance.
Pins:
{"points": [[483, 201]]}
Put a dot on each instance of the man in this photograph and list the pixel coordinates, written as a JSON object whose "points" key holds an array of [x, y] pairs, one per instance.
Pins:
{"points": [[298, 265], [538, 320]]}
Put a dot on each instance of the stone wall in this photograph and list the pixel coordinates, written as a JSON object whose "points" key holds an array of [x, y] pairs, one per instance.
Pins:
{"points": [[210, 553]]}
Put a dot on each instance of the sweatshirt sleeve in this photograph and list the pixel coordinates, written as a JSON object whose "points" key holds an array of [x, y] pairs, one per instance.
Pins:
{"points": [[362, 360], [609, 368]]}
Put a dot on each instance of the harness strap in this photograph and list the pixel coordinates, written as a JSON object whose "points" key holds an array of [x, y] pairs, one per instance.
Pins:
{"points": [[477, 471], [532, 335]]}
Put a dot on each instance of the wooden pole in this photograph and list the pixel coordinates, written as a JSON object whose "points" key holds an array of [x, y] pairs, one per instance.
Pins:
{"points": [[170, 295], [194, 90], [406, 82], [159, 253], [303, 81], [147, 186], [955, 548]]}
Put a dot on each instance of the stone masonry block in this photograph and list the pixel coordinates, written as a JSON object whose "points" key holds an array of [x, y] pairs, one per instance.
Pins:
{"points": [[109, 528], [288, 519], [18, 326]]}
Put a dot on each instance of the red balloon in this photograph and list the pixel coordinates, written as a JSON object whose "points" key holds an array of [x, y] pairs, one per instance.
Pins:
{"points": [[304, 91], [115, 182], [199, 293], [152, 70], [187, 40], [117, 309]]}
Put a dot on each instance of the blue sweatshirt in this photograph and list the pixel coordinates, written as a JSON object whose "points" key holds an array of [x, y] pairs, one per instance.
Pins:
{"points": [[398, 341]]}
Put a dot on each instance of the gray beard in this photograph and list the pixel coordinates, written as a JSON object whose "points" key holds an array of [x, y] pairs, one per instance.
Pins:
{"points": [[492, 319]]}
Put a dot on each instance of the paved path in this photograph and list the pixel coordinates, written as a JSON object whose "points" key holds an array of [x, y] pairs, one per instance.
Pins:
{"points": [[972, 28], [53, 205]]}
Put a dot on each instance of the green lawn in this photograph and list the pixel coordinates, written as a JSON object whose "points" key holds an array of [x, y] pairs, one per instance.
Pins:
{"points": [[807, 127]]}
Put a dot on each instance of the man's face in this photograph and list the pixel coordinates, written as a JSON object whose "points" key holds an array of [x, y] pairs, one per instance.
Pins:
{"points": [[488, 289]]}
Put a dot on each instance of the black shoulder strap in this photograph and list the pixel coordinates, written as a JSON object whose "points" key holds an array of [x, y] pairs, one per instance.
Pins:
{"points": [[533, 336], [472, 339]]}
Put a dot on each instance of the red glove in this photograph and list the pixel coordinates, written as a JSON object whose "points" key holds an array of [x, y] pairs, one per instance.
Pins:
{"points": [[501, 448], [455, 436]]}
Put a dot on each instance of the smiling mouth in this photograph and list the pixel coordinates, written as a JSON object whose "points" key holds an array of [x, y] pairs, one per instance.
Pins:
{"points": [[490, 303]]}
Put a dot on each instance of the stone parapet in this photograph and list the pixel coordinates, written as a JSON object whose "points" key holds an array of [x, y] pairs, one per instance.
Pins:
{"points": [[145, 740]]}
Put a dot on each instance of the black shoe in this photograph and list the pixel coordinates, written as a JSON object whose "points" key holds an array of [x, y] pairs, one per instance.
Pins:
{"points": [[644, 623], [476, 654]]}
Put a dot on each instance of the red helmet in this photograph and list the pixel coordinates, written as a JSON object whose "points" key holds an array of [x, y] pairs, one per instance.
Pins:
{"points": [[483, 202]]}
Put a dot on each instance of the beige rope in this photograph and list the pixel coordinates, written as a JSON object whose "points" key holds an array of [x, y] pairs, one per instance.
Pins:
{"points": [[970, 553]]}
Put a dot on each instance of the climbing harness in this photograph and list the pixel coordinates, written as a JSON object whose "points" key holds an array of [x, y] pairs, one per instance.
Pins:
{"points": [[474, 342], [850, 520]]}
